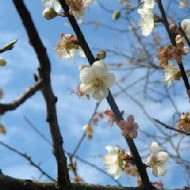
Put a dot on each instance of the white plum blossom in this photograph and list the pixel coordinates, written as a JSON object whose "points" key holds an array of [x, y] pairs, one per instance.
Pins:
{"points": [[147, 20], [171, 74], [76, 7], [157, 160], [113, 162], [67, 47], [148, 4], [53, 3], [96, 80]]}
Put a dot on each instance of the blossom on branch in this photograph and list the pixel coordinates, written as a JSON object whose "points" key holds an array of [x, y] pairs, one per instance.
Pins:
{"points": [[171, 74], [76, 7], [67, 47], [111, 117], [157, 160], [147, 20], [53, 4], [129, 127], [88, 129], [184, 122], [113, 161], [96, 80]]}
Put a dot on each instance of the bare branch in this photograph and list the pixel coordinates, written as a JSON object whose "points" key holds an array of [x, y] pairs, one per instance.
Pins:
{"points": [[16, 103], [110, 99], [171, 128], [172, 39], [50, 99], [27, 158]]}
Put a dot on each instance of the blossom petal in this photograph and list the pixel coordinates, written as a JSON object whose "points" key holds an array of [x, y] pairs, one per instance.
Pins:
{"points": [[148, 4], [57, 6], [163, 156], [147, 21], [155, 171], [111, 149], [100, 68], [86, 88], [87, 3], [109, 80], [86, 75], [154, 148], [100, 94], [185, 23], [161, 170], [117, 174]]}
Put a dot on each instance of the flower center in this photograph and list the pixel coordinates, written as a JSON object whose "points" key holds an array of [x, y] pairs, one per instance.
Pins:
{"points": [[156, 161], [97, 82]]}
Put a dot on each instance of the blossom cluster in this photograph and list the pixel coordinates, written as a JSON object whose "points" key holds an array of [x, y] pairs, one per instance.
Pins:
{"points": [[68, 46], [117, 161]]}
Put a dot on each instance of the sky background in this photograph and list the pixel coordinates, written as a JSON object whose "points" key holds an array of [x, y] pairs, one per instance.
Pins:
{"points": [[73, 112]]}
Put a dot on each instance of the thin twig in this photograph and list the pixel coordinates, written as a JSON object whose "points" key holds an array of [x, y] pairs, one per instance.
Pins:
{"points": [[171, 128], [27, 158], [37, 131], [69, 154], [84, 134]]}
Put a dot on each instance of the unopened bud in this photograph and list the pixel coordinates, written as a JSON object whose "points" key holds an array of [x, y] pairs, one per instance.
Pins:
{"points": [[116, 15], [101, 55], [2, 62], [49, 13], [173, 28]]}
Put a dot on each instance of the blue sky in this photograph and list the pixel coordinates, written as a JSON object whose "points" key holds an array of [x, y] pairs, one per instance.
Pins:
{"points": [[73, 113]]}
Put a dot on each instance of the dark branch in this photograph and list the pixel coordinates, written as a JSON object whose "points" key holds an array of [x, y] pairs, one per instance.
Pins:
{"points": [[110, 99], [50, 99], [9, 183], [172, 39]]}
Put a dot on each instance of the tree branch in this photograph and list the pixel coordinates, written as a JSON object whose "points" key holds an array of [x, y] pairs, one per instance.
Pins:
{"points": [[171, 128], [9, 183], [110, 99], [172, 39], [16, 103], [50, 99]]}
